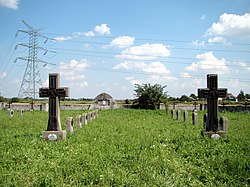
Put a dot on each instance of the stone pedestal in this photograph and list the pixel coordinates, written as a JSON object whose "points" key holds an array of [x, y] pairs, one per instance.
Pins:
{"points": [[211, 133], [54, 135]]}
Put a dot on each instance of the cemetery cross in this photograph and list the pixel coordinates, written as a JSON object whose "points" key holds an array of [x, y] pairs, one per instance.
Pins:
{"points": [[54, 92], [212, 93]]}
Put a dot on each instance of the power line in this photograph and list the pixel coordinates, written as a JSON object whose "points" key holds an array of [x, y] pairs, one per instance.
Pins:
{"points": [[144, 39], [80, 52]]}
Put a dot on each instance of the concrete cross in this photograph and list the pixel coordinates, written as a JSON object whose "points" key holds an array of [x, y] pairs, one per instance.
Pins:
{"points": [[212, 93], [54, 92]]}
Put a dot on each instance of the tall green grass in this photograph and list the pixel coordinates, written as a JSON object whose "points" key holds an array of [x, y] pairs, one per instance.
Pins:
{"points": [[123, 147]]}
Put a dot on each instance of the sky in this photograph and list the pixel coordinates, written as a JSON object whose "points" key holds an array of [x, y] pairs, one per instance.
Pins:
{"points": [[109, 46]]}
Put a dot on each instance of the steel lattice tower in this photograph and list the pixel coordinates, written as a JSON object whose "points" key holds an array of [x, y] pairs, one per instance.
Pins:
{"points": [[31, 78]]}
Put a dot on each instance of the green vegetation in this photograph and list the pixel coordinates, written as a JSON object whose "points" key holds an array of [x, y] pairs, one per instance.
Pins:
{"points": [[149, 96], [123, 147]]}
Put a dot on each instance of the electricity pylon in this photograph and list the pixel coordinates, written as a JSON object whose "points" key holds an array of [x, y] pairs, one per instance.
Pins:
{"points": [[31, 78]]}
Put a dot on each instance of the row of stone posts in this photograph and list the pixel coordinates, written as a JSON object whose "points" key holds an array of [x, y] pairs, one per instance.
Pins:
{"points": [[176, 115], [80, 120]]}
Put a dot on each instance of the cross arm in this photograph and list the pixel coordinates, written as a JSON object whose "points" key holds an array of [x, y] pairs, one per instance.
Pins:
{"points": [[44, 92], [203, 93], [222, 92]]}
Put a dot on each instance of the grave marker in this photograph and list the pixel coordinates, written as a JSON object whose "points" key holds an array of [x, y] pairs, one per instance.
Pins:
{"points": [[84, 119], [54, 92], [21, 112], [11, 113], [212, 93], [78, 121], [185, 116], [173, 112], [178, 115], [194, 118], [69, 125]]}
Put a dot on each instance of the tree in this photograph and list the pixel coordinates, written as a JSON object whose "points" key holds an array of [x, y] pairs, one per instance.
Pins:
{"points": [[241, 96], [193, 96], [2, 99], [149, 96], [15, 100], [184, 98]]}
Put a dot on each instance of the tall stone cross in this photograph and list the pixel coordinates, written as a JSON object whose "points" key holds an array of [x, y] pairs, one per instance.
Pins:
{"points": [[212, 93], [54, 92]]}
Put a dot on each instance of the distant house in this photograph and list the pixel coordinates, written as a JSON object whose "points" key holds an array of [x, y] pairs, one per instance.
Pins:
{"points": [[231, 97]]}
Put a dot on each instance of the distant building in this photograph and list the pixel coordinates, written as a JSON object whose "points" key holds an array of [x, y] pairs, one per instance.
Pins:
{"points": [[103, 101], [231, 97]]}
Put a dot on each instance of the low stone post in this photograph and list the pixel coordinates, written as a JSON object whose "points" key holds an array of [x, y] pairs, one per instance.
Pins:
{"points": [[21, 112], [173, 113], [195, 118], [185, 116], [178, 115], [223, 123], [89, 116], [69, 125], [78, 121], [84, 119], [11, 113]]}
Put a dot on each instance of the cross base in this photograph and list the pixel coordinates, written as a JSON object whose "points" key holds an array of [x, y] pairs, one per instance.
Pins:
{"points": [[208, 134], [54, 135]]}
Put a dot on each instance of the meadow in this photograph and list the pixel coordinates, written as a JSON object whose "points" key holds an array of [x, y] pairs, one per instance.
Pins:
{"points": [[123, 147]]}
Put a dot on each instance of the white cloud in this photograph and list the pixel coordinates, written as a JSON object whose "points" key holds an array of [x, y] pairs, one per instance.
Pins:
{"points": [[145, 52], [158, 72], [122, 41], [209, 63], [72, 72], [198, 43], [3, 74], [89, 33], [153, 67], [74, 65], [62, 38], [217, 39], [13, 4], [185, 75], [231, 25], [133, 80], [102, 29]]}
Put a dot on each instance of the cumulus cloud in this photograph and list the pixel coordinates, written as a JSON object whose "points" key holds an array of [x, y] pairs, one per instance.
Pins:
{"points": [[153, 67], [209, 63], [217, 39], [122, 41], [102, 29], [73, 71], [145, 52], [231, 25], [13, 4]]}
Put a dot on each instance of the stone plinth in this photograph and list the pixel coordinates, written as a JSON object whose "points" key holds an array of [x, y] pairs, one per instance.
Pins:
{"points": [[210, 133], [50, 135]]}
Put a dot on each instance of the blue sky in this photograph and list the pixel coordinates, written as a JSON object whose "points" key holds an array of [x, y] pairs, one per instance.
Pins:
{"points": [[108, 46]]}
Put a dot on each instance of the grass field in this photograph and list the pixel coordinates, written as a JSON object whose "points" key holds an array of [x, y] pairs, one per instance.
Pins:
{"points": [[123, 147]]}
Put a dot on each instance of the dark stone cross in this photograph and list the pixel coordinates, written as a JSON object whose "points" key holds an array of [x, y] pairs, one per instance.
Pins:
{"points": [[212, 93], [54, 93]]}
